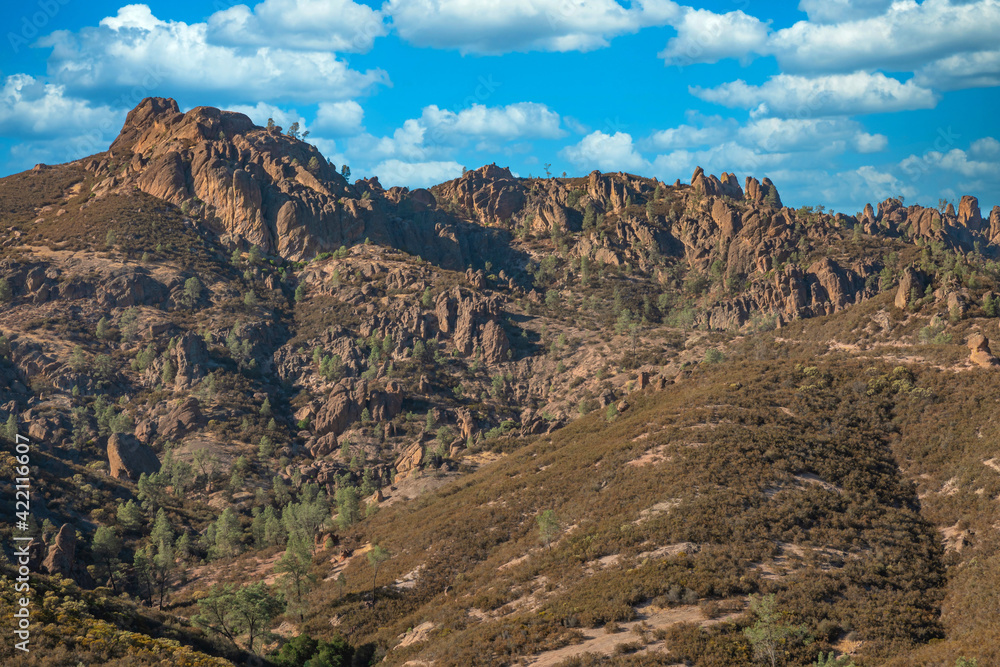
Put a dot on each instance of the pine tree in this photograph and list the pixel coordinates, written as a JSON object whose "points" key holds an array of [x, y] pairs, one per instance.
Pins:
{"points": [[106, 546], [228, 534], [129, 516], [295, 565]]}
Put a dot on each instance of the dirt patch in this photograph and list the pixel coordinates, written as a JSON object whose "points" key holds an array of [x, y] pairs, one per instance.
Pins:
{"points": [[650, 618]]}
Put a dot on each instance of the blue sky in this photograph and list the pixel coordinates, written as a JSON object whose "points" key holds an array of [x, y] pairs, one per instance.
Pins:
{"points": [[839, 102]]}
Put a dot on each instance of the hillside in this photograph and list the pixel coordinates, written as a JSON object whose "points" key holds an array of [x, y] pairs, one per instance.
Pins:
{"points": [[579, 417]]}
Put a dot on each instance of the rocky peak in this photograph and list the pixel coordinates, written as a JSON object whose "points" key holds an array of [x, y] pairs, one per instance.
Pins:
{"points": [[711, 185], [968, 213], [761, 192], [151, 113]]}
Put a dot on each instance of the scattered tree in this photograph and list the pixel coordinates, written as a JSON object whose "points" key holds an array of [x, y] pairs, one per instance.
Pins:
{"points": [[376, 557], [548, 527], [234, 613], [106, 546]]}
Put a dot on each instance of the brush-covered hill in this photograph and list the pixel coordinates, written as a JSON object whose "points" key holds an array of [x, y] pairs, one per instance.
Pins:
{"points": [[579, 417]]}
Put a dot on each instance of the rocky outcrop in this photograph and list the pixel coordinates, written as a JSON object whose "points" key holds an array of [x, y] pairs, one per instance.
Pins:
{"points": [[473, 322], [130, 288], [980, 354], [61, 557], [762, 193], [490, 194], [350, 398], [910, 283], [268, 189], [409, 460], [181, 419], [969, 215], [715, 187], [129, 459], [190, 359], [994, 229]]}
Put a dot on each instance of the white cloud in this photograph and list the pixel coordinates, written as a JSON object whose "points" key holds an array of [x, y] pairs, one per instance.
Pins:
{"points": [[810, 134], [30, 108], [869, 143], [962, 70], [521, 120], [986, 148], [712, 131], [501, 26], [317, 25], [836, 11], [904, 37], [438, 133], [134, 51], [339, 118], [415, 174], [830, 95], [956, 160], [607, 152], [706, 37]]}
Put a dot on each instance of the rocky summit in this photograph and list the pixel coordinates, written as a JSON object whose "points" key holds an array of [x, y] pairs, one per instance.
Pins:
{"points": [[499, 421]]}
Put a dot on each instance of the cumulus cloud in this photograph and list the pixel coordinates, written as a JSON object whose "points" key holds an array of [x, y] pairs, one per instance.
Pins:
{"points": [[830, 95], [134, 50], [416, 174], [339, 118], [957, 161], [836, 11], [607, 152], [904, 37], [317, 25], [706, 37], [30, 108], [810, 134], [514, 121], [501, 26], [437, 133], [962, 70]]}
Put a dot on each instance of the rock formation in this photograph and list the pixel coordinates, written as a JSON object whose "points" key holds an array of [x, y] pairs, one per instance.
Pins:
{"points": [[61, 557], [980, 354], [128, 458]]}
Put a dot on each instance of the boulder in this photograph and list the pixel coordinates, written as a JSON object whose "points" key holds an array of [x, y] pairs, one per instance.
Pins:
{"points": [[128, 458], [908, 282], [191, 358], [180, 420], [494, 342], [410, 459], [62, 552], [337, 413], [980, 354]]}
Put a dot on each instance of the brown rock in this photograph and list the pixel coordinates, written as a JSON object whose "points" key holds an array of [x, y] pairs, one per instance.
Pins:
{"points": [[323, 445], [145, 430], [182, 419], [834, 286], [191, 357], [128, 458], [410, 459], [62, 552], [981, 355], [909, 281], [495, 343], [968, 213], [339, 411], [642, 381]]}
